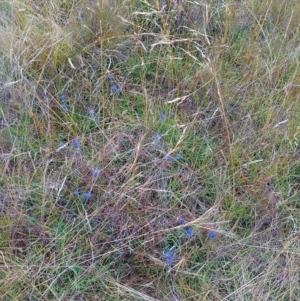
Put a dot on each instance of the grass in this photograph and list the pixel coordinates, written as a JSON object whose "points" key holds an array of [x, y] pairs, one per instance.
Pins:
{"points": [[202, 124]]}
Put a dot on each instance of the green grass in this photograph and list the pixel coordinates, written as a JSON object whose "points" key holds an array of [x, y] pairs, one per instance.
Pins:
{"points": [[205, 129]]}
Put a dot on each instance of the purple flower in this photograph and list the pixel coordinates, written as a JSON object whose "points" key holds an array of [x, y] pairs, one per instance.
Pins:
{"points": [[212, 234], [169, 257]]}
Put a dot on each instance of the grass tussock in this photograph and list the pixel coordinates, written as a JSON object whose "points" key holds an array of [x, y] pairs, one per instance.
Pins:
{"points": [[149, 150]]}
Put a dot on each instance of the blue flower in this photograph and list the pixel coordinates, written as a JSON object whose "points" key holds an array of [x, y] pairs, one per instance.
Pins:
{"points": [[171, 114], [181, 221], [76, 143], [76, 193], [188, 232], [88, 195], [115, 88], [96, 172], [162, 116], [157, 138], [63, 97], [111, 78], [64, 107], [169, 257], [179, 156], [212, 234]]}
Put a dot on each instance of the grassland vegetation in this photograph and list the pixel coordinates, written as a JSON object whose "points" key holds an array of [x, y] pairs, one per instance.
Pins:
{"points": [[149, 150]]}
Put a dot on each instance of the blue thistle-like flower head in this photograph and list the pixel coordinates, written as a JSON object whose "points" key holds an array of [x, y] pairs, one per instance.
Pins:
{"points": [[157, 139], [114, 89], [188, 232], [64, 107], [76, 143], [91, 112], [179, 156], [88, 195], [111, 78], [76, 193], [181, 221], [212, 234], [63, 97], [168, 158], [96, 172], [169, 257], [162, 116]]}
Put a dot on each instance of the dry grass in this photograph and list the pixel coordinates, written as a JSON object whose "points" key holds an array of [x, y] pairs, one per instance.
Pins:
{"points": [[118, 119]]}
